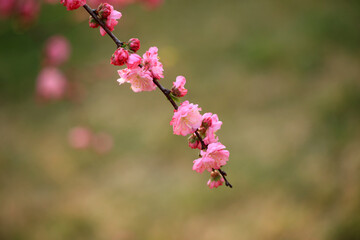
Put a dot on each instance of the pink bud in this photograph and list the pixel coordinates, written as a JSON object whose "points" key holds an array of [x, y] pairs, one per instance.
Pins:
{"points": [[206, 122], [194, 142], [134, 44], [93, 23], [104, 10], [178, 89], [120, 57], [57, 50]]}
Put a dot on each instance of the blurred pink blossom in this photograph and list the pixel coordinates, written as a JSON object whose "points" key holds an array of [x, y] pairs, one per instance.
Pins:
{"points": [[6, 7], [80, 137], [102, 142], [57, 50], [73, 4], [28, 10], [51, 84]]}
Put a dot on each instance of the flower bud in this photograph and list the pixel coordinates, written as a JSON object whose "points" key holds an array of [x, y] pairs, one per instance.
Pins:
{"points": [[134, 44], [194, 142], [178, 89], [206, 123], [119, 57], [215, 180], [104, 10], [93, 23]]}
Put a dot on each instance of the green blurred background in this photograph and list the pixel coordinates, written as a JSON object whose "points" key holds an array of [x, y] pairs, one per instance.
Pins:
{"points": [[283, 76]]}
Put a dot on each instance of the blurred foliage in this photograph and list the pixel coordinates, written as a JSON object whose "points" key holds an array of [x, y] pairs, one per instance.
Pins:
{"points": [[283, 76]]}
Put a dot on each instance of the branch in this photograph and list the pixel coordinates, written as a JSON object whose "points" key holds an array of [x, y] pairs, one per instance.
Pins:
{"points": [[165, 91], [92, 12]]}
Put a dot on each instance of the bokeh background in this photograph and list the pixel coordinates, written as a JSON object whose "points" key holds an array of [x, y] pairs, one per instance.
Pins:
{"points": [[283, 76]]}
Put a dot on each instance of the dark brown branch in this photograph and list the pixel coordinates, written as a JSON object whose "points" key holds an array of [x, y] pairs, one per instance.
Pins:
{"points": [[165, 91], [223, 174]]}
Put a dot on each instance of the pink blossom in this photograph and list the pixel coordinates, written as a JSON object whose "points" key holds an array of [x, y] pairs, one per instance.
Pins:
{"points": [[151, 62], [51, 84], [73, 4], [80, 137], [186, 119], [210, 124], [57, 50], [178, 89], [119, 57], [110, 19], [134, 44], [212, 158], [139, 78], [133, 61]]}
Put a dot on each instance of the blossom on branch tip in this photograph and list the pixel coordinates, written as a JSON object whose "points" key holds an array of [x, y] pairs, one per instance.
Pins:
{"points": [[140, 79], [73, 4], [215, 180], [178, 89], [212, 158], [119, 57], [186, 119], [104, 10], [134, 44], [110, 20]]}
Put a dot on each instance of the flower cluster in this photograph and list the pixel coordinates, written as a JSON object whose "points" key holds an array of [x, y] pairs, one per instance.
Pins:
{"points": [[143, 73], [140, 71]]}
